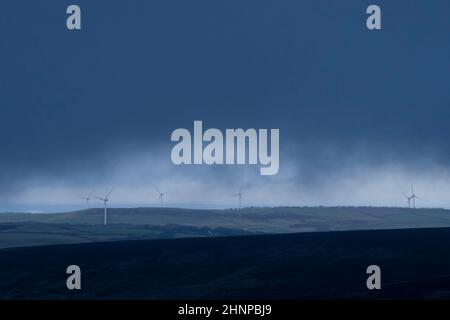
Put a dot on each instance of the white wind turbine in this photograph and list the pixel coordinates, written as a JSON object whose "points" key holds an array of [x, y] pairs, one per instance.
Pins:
{"points": [[160, 195], [105, 201], [414, 197], [239, 195], [408, 198], [87, 199]]}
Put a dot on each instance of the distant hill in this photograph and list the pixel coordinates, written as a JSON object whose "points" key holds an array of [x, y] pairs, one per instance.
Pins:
{"points": [[322, 265], [269, 220], [22, 229]]}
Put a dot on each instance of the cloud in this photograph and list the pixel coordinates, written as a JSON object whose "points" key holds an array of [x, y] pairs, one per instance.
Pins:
{"points": [[357, 114]]}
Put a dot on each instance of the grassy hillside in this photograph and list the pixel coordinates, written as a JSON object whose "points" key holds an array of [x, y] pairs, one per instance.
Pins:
{"points": [[20, 229], [269, 220], [21, 234], [414, 264]]}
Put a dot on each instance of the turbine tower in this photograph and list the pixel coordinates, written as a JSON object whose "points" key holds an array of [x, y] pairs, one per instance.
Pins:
{"points": [[239, 195], [105, 201], [160, 195]]}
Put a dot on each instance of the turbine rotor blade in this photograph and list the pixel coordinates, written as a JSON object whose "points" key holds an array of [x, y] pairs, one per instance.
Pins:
{"points": [[157, 189], [107, 195]]}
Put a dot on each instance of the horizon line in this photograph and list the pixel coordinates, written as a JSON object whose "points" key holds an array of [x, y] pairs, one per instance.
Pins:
{"points": [[222, 209]]}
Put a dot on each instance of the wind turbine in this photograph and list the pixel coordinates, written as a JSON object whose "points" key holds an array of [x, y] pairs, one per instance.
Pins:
{"points": [[105, 201], [87, 199], [414, 197], [160, 195], [239, 195], [408, 198]]}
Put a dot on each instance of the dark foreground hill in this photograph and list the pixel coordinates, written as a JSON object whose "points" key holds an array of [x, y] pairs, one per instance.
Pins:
{"points": [[326, 265]]}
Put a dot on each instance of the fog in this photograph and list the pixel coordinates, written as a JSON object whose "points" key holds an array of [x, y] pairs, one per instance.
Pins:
{"points": [[134, 175]]}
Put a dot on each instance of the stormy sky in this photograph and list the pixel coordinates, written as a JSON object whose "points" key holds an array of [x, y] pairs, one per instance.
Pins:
{"points": [[363, 115]]}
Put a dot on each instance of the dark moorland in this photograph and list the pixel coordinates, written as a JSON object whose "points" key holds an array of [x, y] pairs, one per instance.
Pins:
{"points": [[415, 263]]}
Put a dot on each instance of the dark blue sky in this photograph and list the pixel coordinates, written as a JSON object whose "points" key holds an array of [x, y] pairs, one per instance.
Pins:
{"points": [[137, 70]]}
